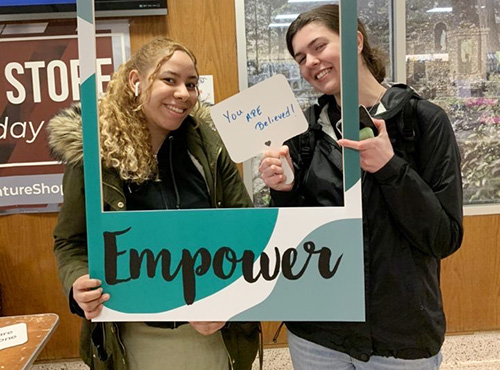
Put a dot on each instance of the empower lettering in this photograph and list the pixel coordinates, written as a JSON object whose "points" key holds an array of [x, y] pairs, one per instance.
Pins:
{"points": [[200, 262]]}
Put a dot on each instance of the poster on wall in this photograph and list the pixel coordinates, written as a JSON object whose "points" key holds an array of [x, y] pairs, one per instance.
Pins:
{"points": [[241, 264], [39, 73]]}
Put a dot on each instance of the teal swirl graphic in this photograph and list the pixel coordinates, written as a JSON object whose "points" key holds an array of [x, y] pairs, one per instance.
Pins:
{"points": [[312, 297], [173, 240]]}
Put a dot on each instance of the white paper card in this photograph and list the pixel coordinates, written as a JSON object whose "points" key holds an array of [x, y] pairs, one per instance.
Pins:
{"points": [[13, 335], [260, 118]]}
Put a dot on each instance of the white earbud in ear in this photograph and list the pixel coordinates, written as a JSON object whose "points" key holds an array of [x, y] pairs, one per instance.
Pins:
{"points": [[136, 91]]}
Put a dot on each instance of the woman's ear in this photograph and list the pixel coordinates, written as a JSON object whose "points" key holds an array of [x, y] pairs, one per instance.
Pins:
{"points": [[360, 42], [134, 81]]}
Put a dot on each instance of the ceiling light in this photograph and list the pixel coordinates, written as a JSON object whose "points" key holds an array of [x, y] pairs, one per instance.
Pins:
{"points": [[440, 10], [313, 1], [279, 25], [286, 16]]}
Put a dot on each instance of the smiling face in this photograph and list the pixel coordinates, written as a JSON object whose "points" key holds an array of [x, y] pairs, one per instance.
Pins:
{"points": [[172, 94], [317, 51]]}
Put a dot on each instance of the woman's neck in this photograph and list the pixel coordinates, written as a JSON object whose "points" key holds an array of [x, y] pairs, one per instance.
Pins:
{"points": [[157, 136], [370, 90], [156, 142]]}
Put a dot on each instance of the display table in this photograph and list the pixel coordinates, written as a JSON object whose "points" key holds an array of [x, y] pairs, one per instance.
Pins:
{"points": [[40, 328]]}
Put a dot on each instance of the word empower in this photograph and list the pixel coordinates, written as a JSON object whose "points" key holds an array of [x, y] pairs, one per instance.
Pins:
{"points": [[223, 264]]}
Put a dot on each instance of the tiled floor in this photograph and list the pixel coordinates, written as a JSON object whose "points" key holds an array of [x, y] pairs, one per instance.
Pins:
{"points": [[460, 352]]}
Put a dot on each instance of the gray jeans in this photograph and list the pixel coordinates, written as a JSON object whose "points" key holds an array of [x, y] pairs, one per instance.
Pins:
{"points": [[308, 355]]}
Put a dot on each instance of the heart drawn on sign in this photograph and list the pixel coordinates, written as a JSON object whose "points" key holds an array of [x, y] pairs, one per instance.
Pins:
{"points": [[268, 143]]}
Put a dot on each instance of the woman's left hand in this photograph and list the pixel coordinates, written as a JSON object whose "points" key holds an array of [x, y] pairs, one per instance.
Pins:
{"points": [[207, 327], [374, 152]]}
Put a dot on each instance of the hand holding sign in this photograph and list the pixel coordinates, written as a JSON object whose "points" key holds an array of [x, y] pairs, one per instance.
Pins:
{"points": [[259, 119]]}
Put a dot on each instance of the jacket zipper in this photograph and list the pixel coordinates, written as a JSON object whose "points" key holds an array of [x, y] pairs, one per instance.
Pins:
{"points": [[277, 333], [177, 196], [200, 169], [228, 354], [219, 151], [158, 179], [118, 337]]}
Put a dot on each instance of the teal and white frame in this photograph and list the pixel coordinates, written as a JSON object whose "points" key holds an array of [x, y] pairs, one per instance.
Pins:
{"points": [[227, 264]]}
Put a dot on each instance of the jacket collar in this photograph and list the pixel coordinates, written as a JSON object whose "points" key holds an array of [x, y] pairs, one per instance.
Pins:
{"points": [[394, 99], [66, 139]]}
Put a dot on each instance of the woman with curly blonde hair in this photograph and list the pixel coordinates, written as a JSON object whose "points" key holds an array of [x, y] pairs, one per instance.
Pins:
{"points": [[158, 152]]}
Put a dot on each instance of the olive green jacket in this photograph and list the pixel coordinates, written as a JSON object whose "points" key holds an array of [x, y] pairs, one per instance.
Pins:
{"points": [[100, 345]]}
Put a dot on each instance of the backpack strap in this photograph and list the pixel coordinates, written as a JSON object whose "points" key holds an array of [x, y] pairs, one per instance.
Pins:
{"points": [[407, 124], [402, 120], [402, 98], [307, 140], [403, 131]]}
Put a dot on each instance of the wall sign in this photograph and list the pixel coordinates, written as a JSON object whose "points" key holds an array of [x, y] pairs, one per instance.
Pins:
{"points": [[41, 76]]}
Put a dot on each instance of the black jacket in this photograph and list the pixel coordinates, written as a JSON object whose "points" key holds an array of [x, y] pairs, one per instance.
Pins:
{"points": [[412, 218]]}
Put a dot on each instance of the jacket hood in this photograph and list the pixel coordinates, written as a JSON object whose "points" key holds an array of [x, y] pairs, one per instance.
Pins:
{"points": [[66, 139], [394, 100], [65, 135]]}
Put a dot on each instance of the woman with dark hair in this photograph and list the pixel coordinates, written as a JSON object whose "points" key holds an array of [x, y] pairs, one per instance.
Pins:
{"points": [[412, 204], [159, 150]]}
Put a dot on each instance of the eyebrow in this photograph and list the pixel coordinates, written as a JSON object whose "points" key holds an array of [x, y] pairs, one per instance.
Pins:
{"points": [[194, 77], [308, 46]]}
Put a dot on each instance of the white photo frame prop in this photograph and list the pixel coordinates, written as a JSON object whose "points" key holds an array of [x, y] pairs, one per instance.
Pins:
{"points": [[226, 264]]}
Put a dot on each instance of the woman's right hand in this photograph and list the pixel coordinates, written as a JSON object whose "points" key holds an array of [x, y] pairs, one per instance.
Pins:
{"points": [[271, 170], [88, 294]]}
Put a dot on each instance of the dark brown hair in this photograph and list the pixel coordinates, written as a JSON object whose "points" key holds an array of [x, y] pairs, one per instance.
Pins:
{"points": [[328, 15]]}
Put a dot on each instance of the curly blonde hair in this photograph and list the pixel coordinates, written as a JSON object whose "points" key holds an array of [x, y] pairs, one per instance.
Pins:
{"points": [[125, 138]]}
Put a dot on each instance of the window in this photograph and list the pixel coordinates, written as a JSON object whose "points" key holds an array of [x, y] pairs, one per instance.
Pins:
{"points": [[266, 23], [453, 53], [452, 59]]}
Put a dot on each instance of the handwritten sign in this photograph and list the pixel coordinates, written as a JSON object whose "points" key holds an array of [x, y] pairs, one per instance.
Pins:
{"points": [[260, 118], [13, 335]]}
